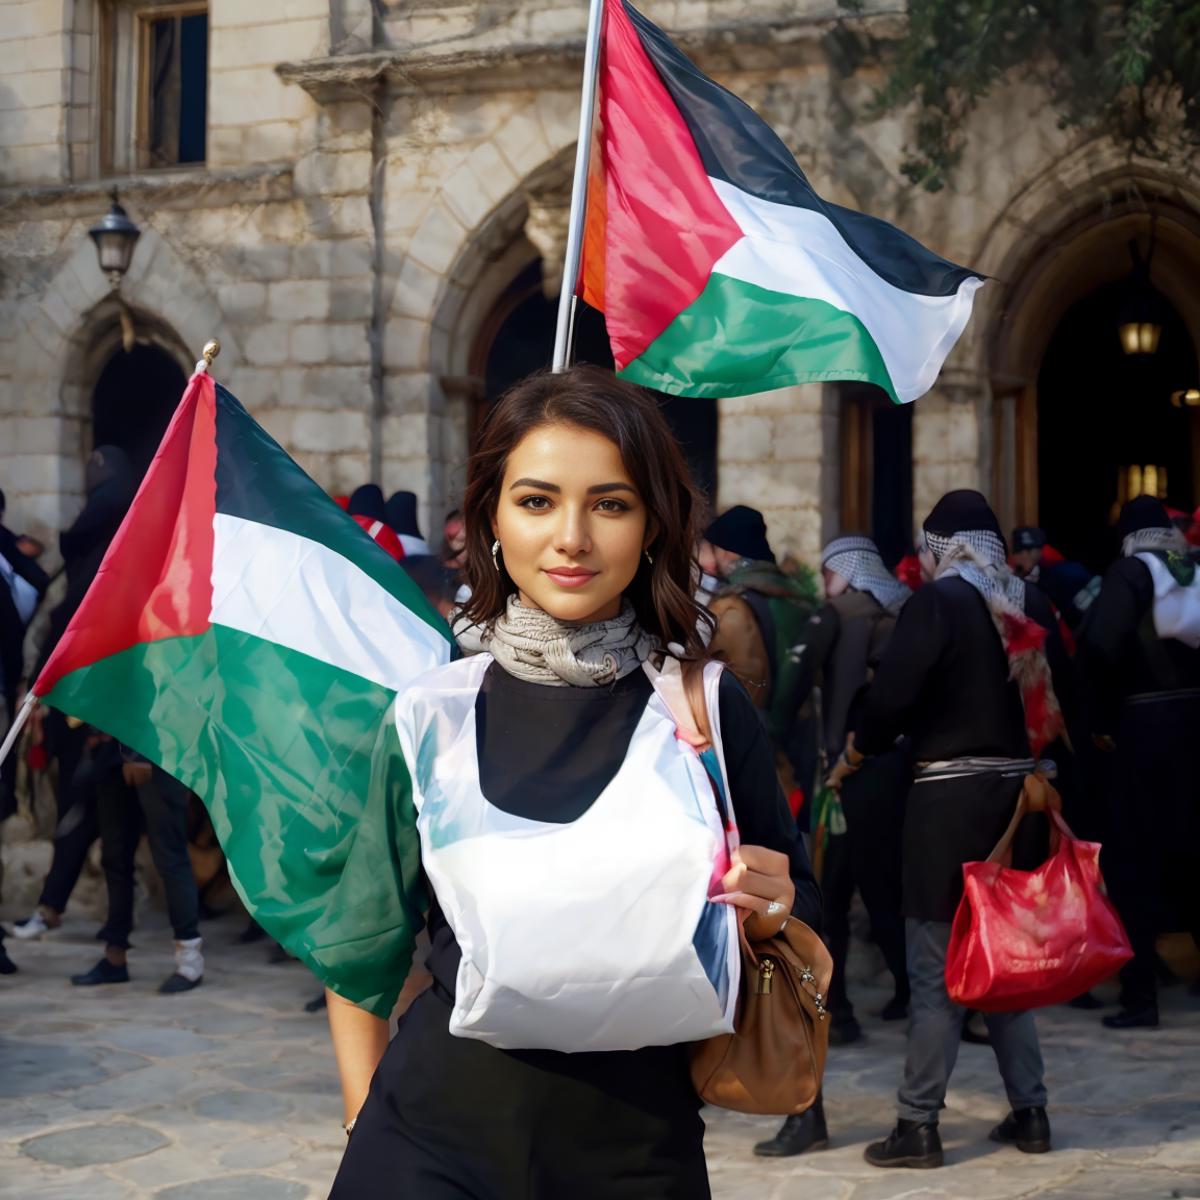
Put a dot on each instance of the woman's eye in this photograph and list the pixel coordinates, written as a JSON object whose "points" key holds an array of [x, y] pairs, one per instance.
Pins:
{"points": [[612, 506], [536, 503]]}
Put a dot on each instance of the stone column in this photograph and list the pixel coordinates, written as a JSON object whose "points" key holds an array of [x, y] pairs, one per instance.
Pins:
{"points": [[951, 439], [777, 452]]}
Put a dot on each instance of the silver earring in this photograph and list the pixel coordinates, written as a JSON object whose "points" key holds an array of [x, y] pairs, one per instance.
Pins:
{"points": [[496, 554], [649, 557]]}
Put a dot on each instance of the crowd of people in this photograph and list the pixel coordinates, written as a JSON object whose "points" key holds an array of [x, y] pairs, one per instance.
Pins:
{"points": [[903, 710]]}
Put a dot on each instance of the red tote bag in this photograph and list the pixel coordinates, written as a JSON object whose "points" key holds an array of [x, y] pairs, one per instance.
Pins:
{"points": [[1026, 939]]}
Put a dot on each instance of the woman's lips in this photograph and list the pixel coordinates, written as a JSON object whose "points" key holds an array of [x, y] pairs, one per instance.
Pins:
{"points": [[572, 577]]}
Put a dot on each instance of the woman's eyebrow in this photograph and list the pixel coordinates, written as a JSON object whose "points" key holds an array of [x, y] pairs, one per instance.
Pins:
{"points": [[540, 484], [594, 490], [611, 487]]}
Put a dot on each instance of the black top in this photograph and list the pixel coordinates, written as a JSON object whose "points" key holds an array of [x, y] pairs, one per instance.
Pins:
{"points": [[1121, 655], [943, 678], [546, 754]]}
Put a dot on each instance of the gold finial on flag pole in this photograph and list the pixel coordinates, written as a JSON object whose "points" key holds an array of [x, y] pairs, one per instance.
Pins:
{"points": [[211, 349]]}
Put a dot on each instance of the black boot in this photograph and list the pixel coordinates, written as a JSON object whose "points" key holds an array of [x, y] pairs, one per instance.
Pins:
{"points": [[176, 983], [1133, 1018], [845, 1030], [102, 972], [7, 966], [1028, 1128], [908, 1145], [800, 1132]]}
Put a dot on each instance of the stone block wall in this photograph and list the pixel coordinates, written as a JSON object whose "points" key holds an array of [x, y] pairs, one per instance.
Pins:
{"points": [[777, 452], [34, 65], [348, 239]]}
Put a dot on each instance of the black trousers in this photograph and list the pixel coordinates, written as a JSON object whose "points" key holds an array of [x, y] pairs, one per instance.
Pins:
{"points": [[867, 857], [78, 824], [455, 1119], [161, 806], [1152, 861]]}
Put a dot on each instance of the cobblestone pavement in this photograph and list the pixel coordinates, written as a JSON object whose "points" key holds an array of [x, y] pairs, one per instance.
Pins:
{"points": [[229, 1093]]}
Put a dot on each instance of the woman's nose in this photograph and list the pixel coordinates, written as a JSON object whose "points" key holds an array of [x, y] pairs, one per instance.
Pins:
{"points": [[573, 536]]}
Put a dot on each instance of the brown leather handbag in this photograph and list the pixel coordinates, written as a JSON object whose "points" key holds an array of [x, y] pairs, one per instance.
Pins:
{"points": [[773, 1061]]}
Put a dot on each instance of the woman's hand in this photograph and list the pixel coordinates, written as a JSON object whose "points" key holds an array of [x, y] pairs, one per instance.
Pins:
{"points": [[759, 882]]}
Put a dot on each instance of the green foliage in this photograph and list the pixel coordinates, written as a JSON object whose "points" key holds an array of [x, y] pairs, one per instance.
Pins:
{"points": [[1129, 69]]}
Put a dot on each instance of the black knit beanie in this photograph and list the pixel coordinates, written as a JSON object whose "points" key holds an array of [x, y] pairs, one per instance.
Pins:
{"points": [[743, 531], [367, 501], [402, 514], [959, 511], [1142, 512]]}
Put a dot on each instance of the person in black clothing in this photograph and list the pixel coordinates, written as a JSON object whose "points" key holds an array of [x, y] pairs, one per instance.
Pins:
{"points": [[1070, 586], [110, 482], [946, 680], [22, 585], [133, 795], [1139, 654], [840, 648], [557, 741], [843, 645]]}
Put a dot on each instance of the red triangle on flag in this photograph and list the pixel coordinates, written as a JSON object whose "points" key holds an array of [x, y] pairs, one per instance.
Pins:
{"points": [[155, 581]]}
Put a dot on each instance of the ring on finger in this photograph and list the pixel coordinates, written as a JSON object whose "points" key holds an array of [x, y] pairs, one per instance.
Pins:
{"points": [[774, 908]]}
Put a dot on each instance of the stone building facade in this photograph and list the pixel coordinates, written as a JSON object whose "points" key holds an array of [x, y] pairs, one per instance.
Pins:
{"points": [[383, 184]]}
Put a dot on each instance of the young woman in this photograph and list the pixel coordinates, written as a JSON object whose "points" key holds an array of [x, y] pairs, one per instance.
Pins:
{"points": [[581, 897]]}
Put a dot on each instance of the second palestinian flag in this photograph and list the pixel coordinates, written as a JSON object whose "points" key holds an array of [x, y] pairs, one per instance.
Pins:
{"points": [[718, 268], [245, 634]]}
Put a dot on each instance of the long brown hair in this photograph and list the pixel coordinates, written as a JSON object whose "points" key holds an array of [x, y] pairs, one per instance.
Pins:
{"points": [[591, 398]]}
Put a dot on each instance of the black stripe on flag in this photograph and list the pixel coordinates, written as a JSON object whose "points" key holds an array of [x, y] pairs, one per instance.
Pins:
{"points": [[736, 145]]}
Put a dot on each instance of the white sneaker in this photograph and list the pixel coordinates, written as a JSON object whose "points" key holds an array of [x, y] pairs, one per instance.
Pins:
{"points": [[32, 927]]}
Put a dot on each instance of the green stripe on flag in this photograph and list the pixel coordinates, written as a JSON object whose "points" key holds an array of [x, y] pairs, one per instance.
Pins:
{"points": [[737, 338], [300, 768]]}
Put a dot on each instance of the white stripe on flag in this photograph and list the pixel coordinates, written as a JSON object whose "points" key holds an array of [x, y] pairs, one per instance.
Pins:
{"points": [[799, 252], [290, 590]]}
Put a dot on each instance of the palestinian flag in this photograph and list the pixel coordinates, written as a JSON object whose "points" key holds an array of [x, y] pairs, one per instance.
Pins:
{"points": [[718, 268], [245, 634]]}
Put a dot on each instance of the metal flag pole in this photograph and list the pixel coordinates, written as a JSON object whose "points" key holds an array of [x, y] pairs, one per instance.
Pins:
{"points": [[583, 153], [14, 731]]}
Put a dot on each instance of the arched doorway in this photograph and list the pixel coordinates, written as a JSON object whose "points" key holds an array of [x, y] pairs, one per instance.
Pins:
{"points": [[1104, 418], [133, 399], [1068, 407], [517, 338]]}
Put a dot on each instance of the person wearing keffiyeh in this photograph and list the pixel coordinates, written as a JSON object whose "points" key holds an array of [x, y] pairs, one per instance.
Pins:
{"points": [[971, 675], [1139, 654], [838, 650]]}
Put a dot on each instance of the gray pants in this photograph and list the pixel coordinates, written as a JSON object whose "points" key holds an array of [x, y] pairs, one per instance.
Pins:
{"points": [[935, 1033]]}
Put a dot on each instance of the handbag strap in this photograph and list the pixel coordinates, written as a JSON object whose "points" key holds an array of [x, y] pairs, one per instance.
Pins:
{"points": [[680, 686], [1037, 795]]}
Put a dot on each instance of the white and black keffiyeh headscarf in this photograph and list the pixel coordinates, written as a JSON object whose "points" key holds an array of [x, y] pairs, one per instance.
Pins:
{"points": [[1150, 541], [856, 559], [978, 556]]}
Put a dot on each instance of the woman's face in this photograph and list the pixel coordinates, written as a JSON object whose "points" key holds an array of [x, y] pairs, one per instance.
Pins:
{"points": [[571, 524]]}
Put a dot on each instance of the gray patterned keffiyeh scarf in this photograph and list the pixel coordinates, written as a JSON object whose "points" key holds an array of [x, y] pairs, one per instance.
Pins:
{"points": [[857, 561], [977, 555], [1172, 568], [534, 646]]}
